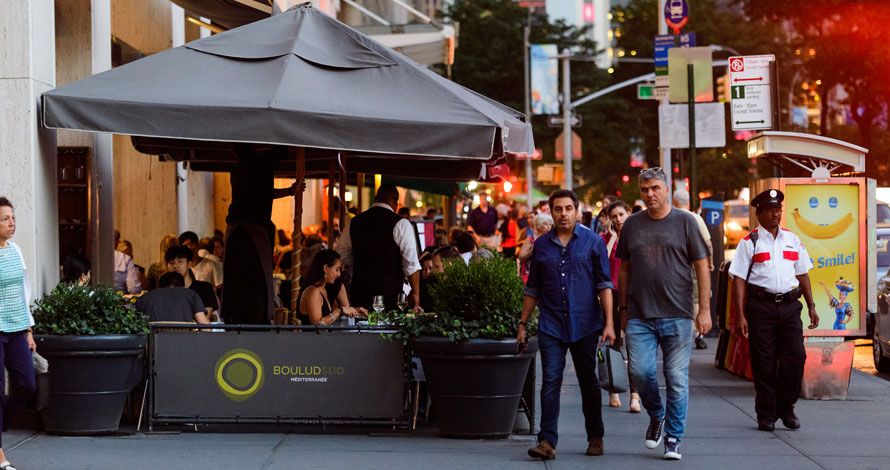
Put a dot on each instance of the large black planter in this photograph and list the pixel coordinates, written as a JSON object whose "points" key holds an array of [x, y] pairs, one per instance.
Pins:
{"points": [[89, 379], [475, 385]]}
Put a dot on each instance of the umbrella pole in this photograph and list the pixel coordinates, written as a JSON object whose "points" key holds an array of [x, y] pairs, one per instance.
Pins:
{"points": [[360, 189], [330, 232], [341, 161], [297, 235]]}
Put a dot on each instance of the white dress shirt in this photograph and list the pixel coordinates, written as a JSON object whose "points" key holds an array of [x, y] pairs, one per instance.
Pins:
{"points": [[402, 233], [777, 261]]}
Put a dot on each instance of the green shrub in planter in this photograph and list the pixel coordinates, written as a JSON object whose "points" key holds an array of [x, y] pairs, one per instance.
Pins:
{"points": [[482, 300], [72, 309], [94, 341], [475, 369]]}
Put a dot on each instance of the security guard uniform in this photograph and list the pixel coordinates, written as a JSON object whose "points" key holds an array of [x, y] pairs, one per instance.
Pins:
{"points": [[775, 330]]}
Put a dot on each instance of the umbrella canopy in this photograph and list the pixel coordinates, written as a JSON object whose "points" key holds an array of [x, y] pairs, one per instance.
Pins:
{"points": [[302, 79]]}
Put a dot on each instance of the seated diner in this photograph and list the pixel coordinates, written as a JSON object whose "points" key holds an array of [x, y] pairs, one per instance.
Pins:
{"points": [[172, 302], [324, 300]]}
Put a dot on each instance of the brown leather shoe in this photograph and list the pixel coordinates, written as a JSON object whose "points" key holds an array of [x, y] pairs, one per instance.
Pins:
{"points": [[544, 451], [595, 446]]}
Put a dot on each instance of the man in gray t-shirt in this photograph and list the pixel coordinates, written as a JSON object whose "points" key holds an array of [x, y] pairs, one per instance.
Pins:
{"points": [[658, 249], [660, 254]]}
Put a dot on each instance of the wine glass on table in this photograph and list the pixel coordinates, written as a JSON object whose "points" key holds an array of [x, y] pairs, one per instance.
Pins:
{"points": [[378, 306], [402, 302]]}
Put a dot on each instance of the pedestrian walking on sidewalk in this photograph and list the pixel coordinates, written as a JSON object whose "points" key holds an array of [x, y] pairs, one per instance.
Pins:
{"points": [[618, 211], [569, 281], [16, 340], [771, 272], [658, 249]]}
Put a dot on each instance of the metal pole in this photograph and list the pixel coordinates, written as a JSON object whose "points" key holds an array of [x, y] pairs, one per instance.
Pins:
{"points": [[360, 189], [664, 152], [693, 161], [331, 172], [526, 32], [297, 235], [341, 162], [774, 99], [566, 119]]}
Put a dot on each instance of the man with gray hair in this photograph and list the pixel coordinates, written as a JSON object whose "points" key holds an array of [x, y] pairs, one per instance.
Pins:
{"points": [[658, 248]]}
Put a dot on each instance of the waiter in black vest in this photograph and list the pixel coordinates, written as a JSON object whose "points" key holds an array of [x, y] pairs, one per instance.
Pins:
{"points": [[380, 247], [770, 274]]}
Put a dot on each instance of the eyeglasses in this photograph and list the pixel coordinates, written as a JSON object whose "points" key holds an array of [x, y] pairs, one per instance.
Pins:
{"points": [[653, 172]]}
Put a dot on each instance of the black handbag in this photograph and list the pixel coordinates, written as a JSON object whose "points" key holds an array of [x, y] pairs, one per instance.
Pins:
{"points": [[611, 369]]}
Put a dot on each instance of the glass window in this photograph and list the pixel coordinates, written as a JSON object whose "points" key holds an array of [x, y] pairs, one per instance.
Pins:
{"points": [[883, 250], [883, 215], [738, 211]]}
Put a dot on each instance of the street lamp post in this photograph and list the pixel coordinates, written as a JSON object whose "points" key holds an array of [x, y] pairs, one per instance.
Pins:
{"points": [[566, 119], [526, 32]]}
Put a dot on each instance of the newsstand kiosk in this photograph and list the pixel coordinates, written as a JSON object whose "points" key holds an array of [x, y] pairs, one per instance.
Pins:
{"points": [[832, 209]]}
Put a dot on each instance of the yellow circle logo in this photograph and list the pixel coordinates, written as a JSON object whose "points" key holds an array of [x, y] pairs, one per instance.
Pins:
{"points": [[239, 374]]}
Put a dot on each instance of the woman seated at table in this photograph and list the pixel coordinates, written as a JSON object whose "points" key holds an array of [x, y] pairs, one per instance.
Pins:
{"points": [[318, 304]]}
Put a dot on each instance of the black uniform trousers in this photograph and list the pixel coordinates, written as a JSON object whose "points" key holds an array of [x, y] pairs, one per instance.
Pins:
{"points": [[775, 332]]}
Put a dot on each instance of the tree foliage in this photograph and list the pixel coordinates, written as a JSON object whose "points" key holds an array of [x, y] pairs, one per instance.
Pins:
{"points": [[845, 43]]}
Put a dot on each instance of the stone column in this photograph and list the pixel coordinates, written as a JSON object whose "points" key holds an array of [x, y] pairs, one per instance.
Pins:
{"points": [[27, 151]]}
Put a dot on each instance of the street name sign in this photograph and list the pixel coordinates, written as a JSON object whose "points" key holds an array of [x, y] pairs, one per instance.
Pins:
{"points": [[646, 91], [750, 92]]}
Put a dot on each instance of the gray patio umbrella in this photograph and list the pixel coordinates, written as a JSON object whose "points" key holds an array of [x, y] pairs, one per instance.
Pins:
{"points": [[299, 79]]}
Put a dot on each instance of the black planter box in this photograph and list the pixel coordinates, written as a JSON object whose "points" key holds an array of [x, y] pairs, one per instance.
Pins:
{"points": [[475, 385], [89, 379]]}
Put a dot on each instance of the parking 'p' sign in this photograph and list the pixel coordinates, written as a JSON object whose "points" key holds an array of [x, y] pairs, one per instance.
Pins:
{"points": [[676, 14]]}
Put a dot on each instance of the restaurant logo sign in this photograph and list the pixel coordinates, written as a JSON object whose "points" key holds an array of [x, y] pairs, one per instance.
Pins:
{"points": [[239, 374]]}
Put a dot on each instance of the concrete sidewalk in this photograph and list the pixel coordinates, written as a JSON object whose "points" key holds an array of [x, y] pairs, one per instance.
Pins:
{"points": [[721, 434]]}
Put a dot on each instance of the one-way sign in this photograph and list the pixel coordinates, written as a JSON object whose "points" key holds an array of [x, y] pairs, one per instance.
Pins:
{"points": [[750, 92], [556, 121]]}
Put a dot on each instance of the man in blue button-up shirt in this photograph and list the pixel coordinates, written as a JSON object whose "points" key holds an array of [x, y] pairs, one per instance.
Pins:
{"points": [[569, 280]]}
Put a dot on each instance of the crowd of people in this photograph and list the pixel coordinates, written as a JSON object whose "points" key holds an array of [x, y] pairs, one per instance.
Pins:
{"points": [[637, 277]]}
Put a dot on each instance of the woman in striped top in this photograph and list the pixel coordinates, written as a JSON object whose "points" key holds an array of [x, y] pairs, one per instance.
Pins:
{"points": [[16, 340]]}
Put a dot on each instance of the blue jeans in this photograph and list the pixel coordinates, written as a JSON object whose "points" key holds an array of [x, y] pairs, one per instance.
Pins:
{"points": [[553, 363], [675, 337]]}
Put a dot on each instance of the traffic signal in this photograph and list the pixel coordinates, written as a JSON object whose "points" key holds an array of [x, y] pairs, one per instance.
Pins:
{"points": [[722, 89]]}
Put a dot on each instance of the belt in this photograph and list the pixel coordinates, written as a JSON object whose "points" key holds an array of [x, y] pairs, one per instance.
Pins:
{"points": [[758, 292]]}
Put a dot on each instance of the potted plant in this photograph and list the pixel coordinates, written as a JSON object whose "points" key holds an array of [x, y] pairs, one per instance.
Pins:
{"points": [[95, 345], [473, 364]]}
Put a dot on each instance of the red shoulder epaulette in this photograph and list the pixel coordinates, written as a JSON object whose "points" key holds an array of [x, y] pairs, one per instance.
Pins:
{"points": [[748, 236]]}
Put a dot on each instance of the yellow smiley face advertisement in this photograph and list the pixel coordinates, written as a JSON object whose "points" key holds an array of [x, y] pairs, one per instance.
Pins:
{"points": [[826, 218]]}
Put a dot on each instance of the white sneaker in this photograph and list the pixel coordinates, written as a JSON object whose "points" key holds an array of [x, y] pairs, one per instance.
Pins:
{"points": [[672, 449], [654, 433]]}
